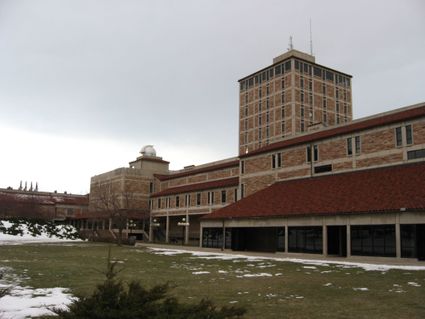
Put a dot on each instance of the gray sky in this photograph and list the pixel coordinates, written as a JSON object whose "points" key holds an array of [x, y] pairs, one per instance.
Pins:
{"points": [[84, 84]]}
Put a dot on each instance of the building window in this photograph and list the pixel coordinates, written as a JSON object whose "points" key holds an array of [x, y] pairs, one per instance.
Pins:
{"points": [[259, 120], [323, 169], [198, 199], [416, 154], [213, 238], [223, 197], [159, 203], [357, 141], [177, 201], [151, 189], [373, 240], [242, 167], [305, 239], [246, 110], [167, 202], [398, 136], [315, 153], [408, 241], [236, 194], [349, 146], [276, 160], [242, 190], [210, 198], [409, 136]]}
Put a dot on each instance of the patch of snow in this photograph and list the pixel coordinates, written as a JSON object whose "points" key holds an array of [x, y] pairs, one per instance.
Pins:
{"points": [[414, 284], [233, 301], [328, 284], [222, 272], [200, 272], [263, 274], [23, 302], [322, 263], [309, 267], [361, 289]]}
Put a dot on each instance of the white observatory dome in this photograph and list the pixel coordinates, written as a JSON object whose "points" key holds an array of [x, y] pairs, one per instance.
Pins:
{"points": [[148, 150]]}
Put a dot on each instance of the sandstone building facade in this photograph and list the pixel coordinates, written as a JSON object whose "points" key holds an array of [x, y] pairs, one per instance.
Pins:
{"points": [[307, 179]]}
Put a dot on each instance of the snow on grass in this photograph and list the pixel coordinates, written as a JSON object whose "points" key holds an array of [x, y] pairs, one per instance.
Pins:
{"points": [[414, 284], [200, 272], [360, 289], [23, 302], [309, 267], [263, 274], [322, 263], [26, 236]]}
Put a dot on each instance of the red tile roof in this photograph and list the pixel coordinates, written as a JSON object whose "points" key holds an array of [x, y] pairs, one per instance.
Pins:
{"points": [[15, 196], [195, 170], [368, 123], [221, 183], [374, 190]]}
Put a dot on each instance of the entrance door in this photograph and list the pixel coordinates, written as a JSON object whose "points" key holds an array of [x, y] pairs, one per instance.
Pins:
{"points": [[420, 241], [337, 240]]}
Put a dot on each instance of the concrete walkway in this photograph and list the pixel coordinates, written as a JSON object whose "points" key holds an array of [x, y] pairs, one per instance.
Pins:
{"points": [[313, 257]]}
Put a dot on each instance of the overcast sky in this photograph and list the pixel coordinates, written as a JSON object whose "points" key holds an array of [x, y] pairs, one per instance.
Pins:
{"points": [[84, 84]]}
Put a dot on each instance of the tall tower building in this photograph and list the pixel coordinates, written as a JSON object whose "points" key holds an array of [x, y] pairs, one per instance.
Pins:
{"points": [[292, 96]]}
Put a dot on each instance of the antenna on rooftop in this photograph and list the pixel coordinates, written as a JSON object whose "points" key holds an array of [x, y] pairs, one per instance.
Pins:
{"points": [[311, 40], [291, 46]]}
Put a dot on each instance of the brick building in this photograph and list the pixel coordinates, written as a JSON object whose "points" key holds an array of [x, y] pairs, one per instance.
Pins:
{"points": [[308, 178], [42, 205], [292, 96]]}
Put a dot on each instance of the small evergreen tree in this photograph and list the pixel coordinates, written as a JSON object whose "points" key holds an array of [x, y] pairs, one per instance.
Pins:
{"points": [[112, 300]]}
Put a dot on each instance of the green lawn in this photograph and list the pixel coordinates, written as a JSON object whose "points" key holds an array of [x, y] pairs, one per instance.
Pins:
{"points": [[286, 290]]}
